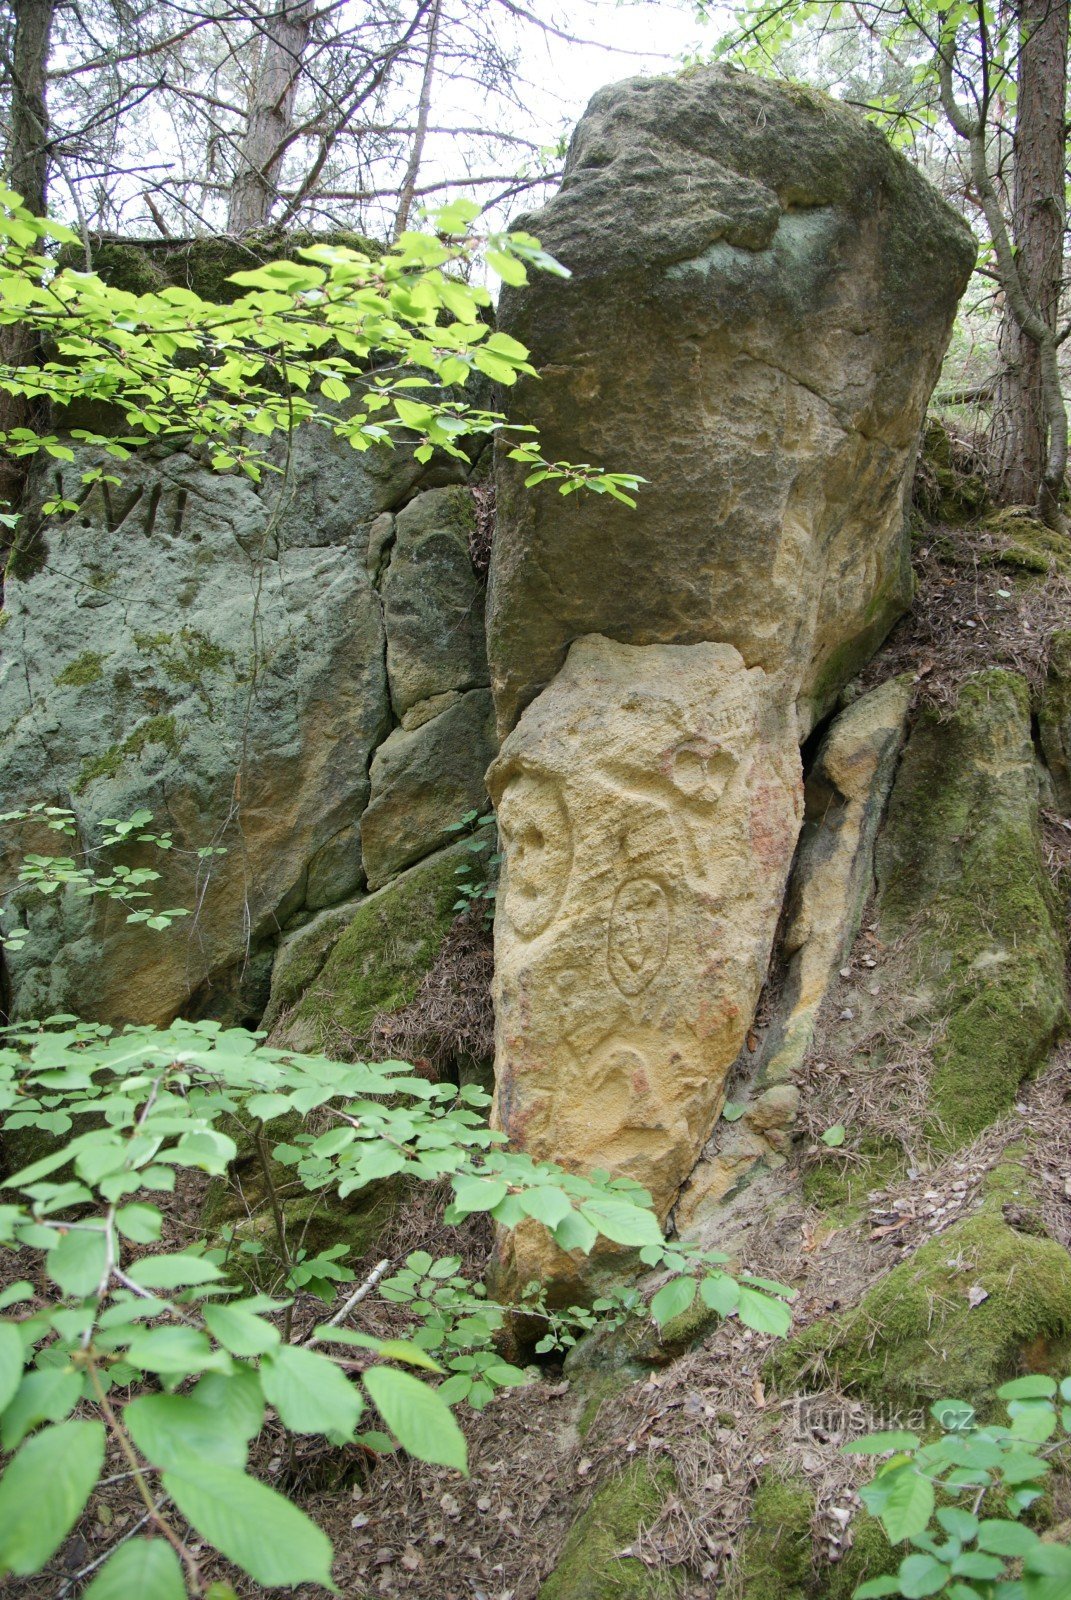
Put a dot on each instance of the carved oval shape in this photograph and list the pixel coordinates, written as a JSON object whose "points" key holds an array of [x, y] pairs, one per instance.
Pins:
{"points": [[638, 936]]}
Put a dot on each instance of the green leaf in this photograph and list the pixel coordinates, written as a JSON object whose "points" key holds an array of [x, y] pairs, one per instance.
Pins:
{"points": [[173, 1430], [921, 1575], [180, 1351], [12, 1360], [48, 1394], [575, 1232], [146, 1568], [240, 1330], [547, 1205], [508, 268], [732, 1111], [1034, 1387], [876, 1444], [478, 1194], [875, 1588], [235, 1397], [141, 1224], [77, 1262], [762, 1312], [44, 1490], [976, 1564], [1005, 1538], [309, 1392], [420, 1421], [623, 1223], [673, 1298], [720, 1292], [392, 1349], [960, 1524], [177, 1271], [251, 1525], [903, 1501], [834, 1137]]}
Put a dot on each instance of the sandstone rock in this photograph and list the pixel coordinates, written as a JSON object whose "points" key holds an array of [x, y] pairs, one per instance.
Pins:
{"points": [[648, 806], [433, 601], [962, 971], [225, 655], [423, 780], [845, 798], [758, 339]]}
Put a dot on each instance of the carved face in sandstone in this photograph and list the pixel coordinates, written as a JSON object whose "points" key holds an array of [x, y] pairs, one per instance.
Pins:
{"points": [[648, 803], [534, 828]]}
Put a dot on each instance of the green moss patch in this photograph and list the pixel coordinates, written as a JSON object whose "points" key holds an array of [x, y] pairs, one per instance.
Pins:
{"points": [[591, 1566], [378, 961], [1027, 545], [970, 1309], [87, 668], [777, 1562], [161, 730]]}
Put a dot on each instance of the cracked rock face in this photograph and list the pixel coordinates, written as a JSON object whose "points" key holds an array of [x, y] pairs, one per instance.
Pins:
{"points": [[246, 663], [762, 292], [649, 803]]}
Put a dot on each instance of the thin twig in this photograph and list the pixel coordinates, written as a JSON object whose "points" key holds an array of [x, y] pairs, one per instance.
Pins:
{"points": [[354, 1300]]}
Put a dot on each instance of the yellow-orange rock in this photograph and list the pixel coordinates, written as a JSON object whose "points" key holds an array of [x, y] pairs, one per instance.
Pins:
{"points": [[649, 803]]}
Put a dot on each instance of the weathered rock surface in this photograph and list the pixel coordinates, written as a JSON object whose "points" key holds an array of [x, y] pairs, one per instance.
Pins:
{"points": [[232, 657], [759, 341], [348, 967], [648, 804], [423, 780], [433, 602], [844, 801], [964, 895]]}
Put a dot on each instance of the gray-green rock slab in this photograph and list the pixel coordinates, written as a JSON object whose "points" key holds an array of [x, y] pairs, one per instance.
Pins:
{"points": [[180, 650], [422, 781], [433, 601]]}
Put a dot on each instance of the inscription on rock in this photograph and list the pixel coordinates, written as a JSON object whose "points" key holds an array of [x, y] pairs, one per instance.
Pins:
{"points": [[649, 805]]}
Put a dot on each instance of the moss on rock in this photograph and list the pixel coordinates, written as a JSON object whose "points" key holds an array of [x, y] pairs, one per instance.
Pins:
{"points": [[1027, 545], [377, 962], [777, 1561], [963, 885], [970, 1309], [591, 1566], [1054, 717]]}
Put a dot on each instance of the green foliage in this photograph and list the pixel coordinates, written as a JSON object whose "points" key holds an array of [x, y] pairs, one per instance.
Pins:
{"points": [[376, 350], [166, 1352], [47, 875], [935, 1497], [476, 879]]}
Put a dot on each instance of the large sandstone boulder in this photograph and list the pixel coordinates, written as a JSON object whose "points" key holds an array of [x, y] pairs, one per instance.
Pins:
{"points": [[762, 292], [649, 803]]}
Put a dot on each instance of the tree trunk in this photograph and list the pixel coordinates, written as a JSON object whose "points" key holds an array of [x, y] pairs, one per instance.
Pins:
{"points": [[1020, 442], [25, 171], [26, 157], [283, 42]]}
